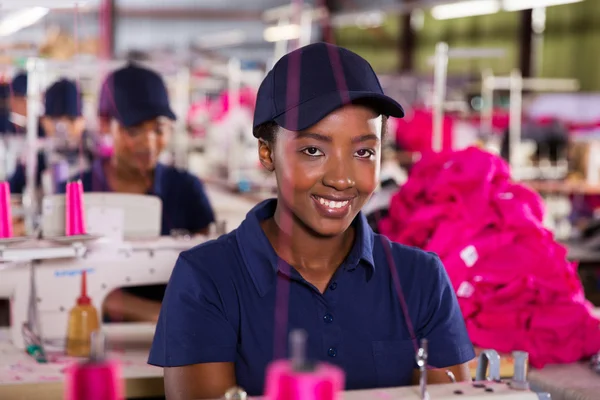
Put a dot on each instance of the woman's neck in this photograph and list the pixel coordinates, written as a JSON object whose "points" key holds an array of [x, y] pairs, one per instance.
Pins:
{"points": [[315, 257], [121, 175]]}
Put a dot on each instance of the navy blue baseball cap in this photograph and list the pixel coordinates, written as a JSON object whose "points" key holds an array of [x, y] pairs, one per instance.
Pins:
{"points": [[62, 99], [309, 83], [19, 85], [134, 94]]}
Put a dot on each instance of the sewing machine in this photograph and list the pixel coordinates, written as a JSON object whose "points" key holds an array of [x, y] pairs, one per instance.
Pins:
{"points": [[42, 276], [486, 386]]}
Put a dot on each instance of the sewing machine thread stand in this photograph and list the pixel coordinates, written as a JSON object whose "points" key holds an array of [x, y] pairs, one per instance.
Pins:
{"points": [[521, 361], [31, 328], [422, 364], [489, 358]]}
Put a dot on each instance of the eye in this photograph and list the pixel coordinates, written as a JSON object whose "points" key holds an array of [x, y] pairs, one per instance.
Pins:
{"points": [[364, 153], [312, 151]]}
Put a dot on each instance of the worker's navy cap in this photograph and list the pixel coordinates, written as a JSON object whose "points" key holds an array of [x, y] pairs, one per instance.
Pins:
{"points": [[19, 85], [62, 99], [309, 83], [134, 94]]}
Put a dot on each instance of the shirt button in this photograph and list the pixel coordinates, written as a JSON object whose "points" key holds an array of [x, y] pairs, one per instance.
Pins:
{"points": [[332, 352], [333, 286], [328, 318]]}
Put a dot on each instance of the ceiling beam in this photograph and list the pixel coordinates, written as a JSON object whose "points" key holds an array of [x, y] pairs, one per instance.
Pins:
{"points": [[176, 13]]}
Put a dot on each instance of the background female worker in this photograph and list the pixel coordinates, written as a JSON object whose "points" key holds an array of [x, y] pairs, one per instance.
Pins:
{"points": [[65, 139], [323, 142], [135, 104]]}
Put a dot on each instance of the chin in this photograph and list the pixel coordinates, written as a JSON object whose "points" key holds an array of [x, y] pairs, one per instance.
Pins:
{"points": [[330, 227]]}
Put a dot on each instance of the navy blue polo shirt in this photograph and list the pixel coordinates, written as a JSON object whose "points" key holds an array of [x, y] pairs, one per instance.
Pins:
{"points": [[220, 307], [184, 201]]}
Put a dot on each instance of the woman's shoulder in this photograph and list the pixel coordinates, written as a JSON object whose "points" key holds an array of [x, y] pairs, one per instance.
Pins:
{"points": [[179, 178], [215, 259], [407, 258], [174, 172]]}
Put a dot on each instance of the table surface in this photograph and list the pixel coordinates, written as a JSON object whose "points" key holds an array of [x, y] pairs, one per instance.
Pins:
{"points": [[22, 378]]}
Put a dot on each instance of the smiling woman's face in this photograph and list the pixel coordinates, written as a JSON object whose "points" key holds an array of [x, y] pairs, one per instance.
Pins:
{"points": [[327, 173]]}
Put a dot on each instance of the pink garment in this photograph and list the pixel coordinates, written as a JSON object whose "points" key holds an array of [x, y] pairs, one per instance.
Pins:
{"points": [[515, 287], [414, 131]]}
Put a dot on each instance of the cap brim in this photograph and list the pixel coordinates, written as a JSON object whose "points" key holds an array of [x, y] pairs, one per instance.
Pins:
{"points": [[130, 119], [311, 112]]}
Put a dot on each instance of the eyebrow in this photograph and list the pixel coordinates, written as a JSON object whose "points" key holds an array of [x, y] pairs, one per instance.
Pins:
{"points": [[364, 138], [316, 136], [324, 138]]}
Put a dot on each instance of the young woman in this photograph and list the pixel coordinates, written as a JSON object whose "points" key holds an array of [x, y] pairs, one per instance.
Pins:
{"points": [[135, 104], [320, 116]]}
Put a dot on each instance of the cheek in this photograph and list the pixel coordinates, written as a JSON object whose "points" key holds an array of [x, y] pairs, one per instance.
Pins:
{"points": [[121, 145], [295, 172], [161, 142], [367, 177]]}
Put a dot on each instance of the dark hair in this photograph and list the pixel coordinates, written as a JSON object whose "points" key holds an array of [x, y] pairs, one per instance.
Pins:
{"points": [[268, 130]]}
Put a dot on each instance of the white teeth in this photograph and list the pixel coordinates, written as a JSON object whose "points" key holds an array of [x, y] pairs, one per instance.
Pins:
{"points": [[333, 204]]}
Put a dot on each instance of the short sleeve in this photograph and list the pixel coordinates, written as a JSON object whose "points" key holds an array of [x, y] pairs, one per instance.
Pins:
{"points": [[17, 180], [201, 213], [443, 325], [192, 327]]}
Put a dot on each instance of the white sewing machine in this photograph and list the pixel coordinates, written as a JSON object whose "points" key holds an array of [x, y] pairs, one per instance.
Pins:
{"points": [[43, 276]]}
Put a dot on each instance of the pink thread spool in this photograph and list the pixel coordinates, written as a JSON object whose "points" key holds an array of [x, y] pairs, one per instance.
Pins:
{"points": [[91, 381], [6, 229], [96, 379], [294, 380], [75, 216]]}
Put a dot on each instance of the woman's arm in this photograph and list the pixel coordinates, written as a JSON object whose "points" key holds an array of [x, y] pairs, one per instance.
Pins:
{"points": [[195, 343], [122, 305], [199, 381], [442, 324]]}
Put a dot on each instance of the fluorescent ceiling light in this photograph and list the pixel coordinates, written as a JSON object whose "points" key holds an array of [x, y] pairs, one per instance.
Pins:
{"points": [[51, 4], [222, 39], [20, 19], [517, 5], [281, 33], [465, 9]]}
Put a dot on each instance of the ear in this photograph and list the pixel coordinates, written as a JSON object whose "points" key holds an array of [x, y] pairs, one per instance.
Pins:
{"points": [[265, 155]]}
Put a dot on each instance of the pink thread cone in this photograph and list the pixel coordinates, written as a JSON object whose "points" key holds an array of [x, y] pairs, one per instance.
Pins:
{"points": [[326, 382], [94, 381], [6, 230], [74, 210]]}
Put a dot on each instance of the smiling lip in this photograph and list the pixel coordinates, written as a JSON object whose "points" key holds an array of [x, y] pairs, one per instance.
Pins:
{"points": [[333, 207]]}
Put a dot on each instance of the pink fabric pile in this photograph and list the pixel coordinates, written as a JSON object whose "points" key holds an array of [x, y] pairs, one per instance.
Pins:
{"points": [[516, 289]]}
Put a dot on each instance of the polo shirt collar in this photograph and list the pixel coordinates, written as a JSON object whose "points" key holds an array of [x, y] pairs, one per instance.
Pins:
{"points": [[100, 183], [261, 260]]}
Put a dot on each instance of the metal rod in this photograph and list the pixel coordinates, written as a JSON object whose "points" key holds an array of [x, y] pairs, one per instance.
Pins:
{"points": [[439, 94], [487, 99], [422, 364], [515, 118], [34, 74]]}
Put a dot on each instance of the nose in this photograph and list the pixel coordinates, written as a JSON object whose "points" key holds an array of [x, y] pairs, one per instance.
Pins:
{"points": [[148, 138], [339, 174]]}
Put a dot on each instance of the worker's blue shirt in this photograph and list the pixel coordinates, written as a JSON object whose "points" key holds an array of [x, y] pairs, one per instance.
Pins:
{"points": [[18, 180], [185, 204], [221, 298]]}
